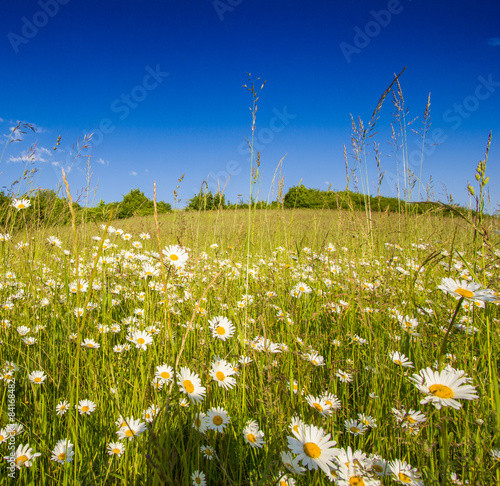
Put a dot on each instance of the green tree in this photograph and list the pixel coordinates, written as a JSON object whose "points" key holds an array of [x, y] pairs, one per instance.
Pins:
{"points": [[207, 201]]}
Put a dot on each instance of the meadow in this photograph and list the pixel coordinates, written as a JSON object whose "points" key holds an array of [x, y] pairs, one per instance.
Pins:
{"points": [[255, 347]]}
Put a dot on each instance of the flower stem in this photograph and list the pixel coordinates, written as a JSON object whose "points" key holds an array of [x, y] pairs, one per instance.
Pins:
{"points": [[442, 349]]}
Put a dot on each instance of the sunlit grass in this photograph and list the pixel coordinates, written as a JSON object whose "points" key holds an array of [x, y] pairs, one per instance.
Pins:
{"points": [[364, 293]]}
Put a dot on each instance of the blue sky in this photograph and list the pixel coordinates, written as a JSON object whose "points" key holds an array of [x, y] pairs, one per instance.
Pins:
{"points": [[159, 83]]}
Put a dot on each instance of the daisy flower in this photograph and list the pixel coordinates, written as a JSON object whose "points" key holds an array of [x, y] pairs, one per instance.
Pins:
{"points": [[198, 478], [200, 422], [348, 456], [349, 474], [444, 388], [85, 406], [409, 418], [23, 456], [131, 429], [21, 203], [208, 452], [62, 407], [63, 452], [315, 358], [313, 448], [217, 419], [90, 343], [318, 404], [495, 454], [367, 420], [54, 241], [115, 449], [331, 400], [37, 377], [467, 290], [285, 480], [354, 427], [190, 384], [222, 328], [175, 255], [344, 376], [400, 359], [253, 435], [141, 339], [403, 473], [221, 373], [14, 429], [302, 288]]}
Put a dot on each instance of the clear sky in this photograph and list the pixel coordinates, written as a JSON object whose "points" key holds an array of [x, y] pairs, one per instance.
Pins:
{"points": [[159, 83]]}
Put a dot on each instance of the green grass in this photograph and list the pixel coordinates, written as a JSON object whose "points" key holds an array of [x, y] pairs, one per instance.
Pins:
{"points": [[360, 277]]}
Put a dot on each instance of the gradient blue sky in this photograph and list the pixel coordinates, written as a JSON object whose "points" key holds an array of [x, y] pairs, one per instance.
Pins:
{"points": [[160, 85]]}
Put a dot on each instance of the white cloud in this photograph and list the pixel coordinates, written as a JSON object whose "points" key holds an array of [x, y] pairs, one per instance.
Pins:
{"points": [[39, 155], [494, 41], [133, 173]]}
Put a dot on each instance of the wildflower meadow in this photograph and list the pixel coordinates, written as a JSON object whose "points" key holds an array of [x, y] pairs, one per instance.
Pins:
{"points": [[316, 350]]}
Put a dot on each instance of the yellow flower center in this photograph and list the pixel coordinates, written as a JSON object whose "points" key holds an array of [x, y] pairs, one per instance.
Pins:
{"points": [[404, 478], [197, 422], [312, 450], [188, 386], [251, 438], [283, 483], [220, 330], [220, 376], [397, 362], [197, 480], [21, 460], [296, 428], [464, 293], [318, 407], [62, 456], [37, 379], [377, 468], [217, 420], [90, 345], [85, 408], [410, 420], [356, 481], [129, 433], [116, 450], [441, 391], [141, 341], [165, 375], [21, 206], [354, 430], [173, 257]]}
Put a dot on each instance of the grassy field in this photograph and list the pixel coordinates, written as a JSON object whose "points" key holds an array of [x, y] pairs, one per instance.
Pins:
{"points": [[267, 347]]}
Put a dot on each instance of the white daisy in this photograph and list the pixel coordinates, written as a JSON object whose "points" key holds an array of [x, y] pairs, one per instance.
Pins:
{"points": [[444, 388], [313, 447]]}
